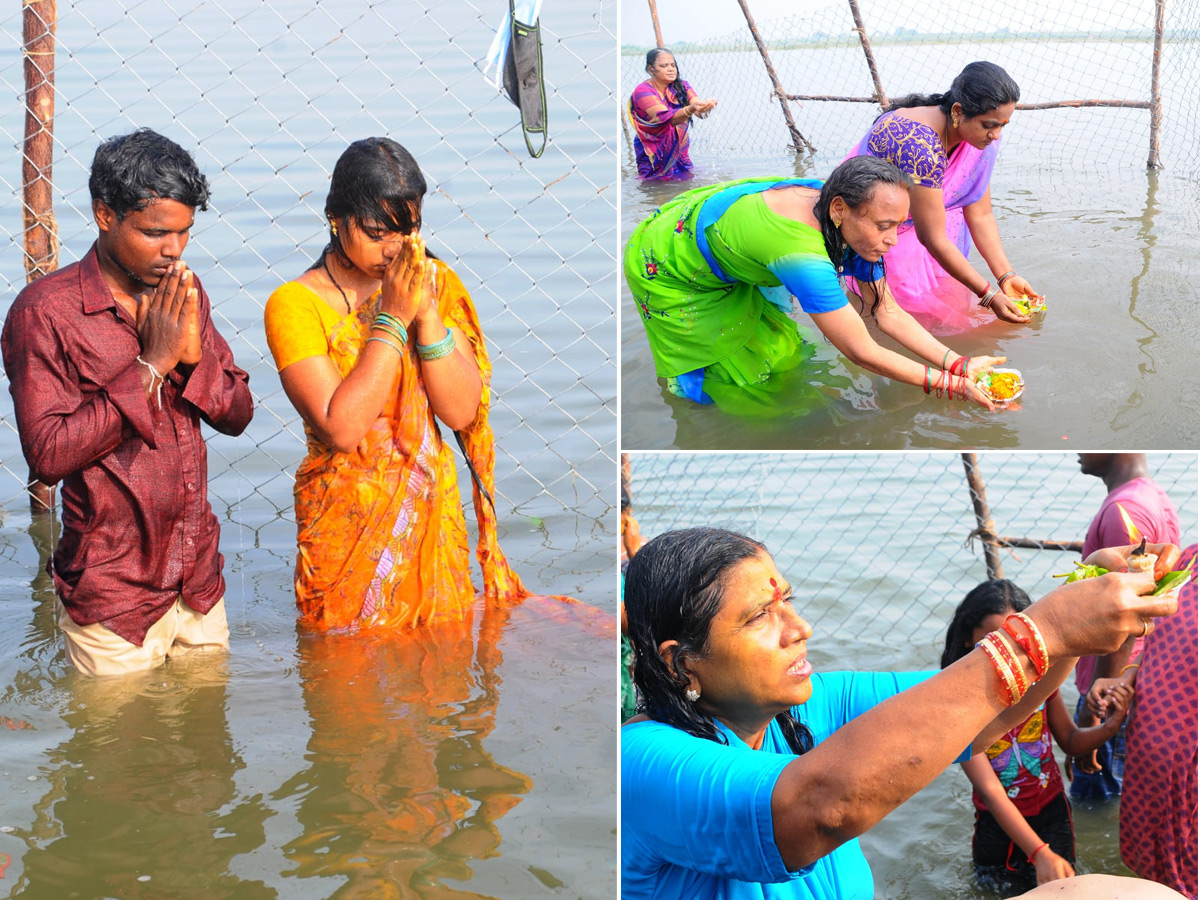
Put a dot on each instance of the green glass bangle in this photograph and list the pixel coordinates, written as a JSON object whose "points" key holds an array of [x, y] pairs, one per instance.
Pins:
{"points": [[392, 330], [384, 340], [387, 320], [444, 347]]}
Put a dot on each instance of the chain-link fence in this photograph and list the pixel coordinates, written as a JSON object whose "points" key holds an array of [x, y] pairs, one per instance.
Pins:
{"points": [[1095, 56], [267, 95], [879, 546]]}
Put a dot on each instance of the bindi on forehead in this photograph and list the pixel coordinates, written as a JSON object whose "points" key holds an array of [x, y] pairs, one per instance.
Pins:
{"points": [[778, 593]]}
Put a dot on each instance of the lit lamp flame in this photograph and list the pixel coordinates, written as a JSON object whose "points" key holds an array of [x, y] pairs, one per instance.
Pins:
{"points": [[1130, 528], [1134, 537]]}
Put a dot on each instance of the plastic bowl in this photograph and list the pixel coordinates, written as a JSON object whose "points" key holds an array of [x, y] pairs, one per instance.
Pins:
{"points": [[1002, 402]]}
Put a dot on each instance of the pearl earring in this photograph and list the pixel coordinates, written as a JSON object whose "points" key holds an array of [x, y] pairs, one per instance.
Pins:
{"points": [[692, 694]]}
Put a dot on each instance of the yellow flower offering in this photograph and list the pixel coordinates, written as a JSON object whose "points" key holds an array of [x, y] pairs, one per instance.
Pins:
{"points": [[1002, 385], [1027, 305]]}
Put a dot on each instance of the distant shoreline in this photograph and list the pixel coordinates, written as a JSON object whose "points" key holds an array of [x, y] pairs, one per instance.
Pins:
{"points": [[824, 40]]}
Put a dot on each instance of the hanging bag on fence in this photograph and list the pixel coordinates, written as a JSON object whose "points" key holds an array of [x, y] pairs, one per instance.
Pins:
{"points": [[523, 81]]}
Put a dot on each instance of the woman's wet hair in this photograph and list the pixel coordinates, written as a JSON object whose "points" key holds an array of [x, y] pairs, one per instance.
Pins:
{"points": [[377, 186], [131, 170], [980, 87], [997, 597], [855, 181], [676, 86], [674, 588]]}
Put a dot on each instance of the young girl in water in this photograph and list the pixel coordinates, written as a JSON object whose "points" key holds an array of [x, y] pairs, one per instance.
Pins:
{"points": [[1023, 833]]}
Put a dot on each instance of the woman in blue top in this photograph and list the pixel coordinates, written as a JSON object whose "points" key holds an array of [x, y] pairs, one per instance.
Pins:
{"points": [[747, 775]]}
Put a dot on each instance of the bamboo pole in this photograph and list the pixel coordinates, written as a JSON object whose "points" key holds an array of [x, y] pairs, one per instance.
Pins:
{"points": [[654, 18], [884, 102], [799, 142], [985, 527], [40, 230], [830, 97], [1160, 13], [1079, 104]]}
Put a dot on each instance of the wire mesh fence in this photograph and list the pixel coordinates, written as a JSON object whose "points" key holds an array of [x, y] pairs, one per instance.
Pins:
{"points": [[266, 95], [879, 546], [1081, 51]]}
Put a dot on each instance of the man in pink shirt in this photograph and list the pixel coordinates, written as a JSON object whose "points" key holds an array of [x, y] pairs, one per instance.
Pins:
{"points": [[1128, 481]]}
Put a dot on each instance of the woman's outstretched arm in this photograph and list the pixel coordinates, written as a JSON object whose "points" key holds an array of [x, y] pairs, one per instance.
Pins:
{"points": [[928, 210], [846, 330], [847, 783]]}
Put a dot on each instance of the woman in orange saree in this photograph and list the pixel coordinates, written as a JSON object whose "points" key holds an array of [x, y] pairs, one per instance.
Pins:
{"points": [[375, 343]]}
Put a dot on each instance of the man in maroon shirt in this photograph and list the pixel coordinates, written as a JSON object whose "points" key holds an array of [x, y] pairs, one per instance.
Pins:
{"points": [[113, 362]]}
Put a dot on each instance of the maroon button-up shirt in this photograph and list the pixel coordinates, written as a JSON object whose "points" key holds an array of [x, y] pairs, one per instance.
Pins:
{"points": [[138, 531]]}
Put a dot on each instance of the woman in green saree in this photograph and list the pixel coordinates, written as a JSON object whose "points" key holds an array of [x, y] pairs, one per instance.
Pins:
{"points": [[713, 271]]}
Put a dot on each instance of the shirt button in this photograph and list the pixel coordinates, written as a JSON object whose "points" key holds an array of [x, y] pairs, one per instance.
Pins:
{"points": [[191, 486], [189, 542]]}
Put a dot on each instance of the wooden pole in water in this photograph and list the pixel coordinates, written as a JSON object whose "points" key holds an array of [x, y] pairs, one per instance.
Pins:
{"points": [[799, 142], [1160, 13], [40, 228], [884, 102], [985, 528], [654, 18], [39, 19]]}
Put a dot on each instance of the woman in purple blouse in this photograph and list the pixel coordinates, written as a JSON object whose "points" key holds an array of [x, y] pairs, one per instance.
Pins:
{"points": [[948, 143], [661, 108]]}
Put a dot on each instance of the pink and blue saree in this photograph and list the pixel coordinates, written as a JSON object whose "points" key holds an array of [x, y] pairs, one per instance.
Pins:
{"points": [[918, 282], [661, 148]]}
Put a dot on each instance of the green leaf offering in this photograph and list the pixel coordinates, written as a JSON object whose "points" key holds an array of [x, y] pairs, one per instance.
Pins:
{"points": [[1172, 581], [1081, 572]]}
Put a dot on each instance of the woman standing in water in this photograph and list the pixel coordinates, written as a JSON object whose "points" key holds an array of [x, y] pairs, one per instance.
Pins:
{"points": [[661, 109], [948, 144], [375, 344]]}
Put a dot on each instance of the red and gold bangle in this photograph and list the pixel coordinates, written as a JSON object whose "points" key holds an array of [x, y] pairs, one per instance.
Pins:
{"points": [[1033, 645], [1008, 688], [1010, 658]]}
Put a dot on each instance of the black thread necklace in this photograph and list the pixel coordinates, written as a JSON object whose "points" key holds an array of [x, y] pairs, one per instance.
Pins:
{"points": [[334, 281]]}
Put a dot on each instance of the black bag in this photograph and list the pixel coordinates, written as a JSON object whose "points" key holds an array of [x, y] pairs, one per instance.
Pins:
{"points": [[523, 80]]}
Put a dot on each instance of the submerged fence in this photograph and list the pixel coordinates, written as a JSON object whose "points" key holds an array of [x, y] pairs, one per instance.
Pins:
{"points": [[1113, 74], [880, 548], [266, 95]]}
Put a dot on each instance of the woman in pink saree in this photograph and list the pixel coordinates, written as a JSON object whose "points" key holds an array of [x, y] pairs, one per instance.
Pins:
{"points": [[661, 109], [948, 144]]}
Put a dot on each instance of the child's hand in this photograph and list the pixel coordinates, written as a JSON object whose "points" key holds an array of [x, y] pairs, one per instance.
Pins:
{"points": [[1051, 867], [1096, 696], [1116, 703]]}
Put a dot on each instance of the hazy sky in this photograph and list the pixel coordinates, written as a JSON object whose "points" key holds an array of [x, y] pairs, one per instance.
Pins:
{"points": [[687, 20]]}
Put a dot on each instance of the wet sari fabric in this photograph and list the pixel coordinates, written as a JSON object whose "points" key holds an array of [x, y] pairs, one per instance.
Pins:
{"points": [[382, 541]]}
